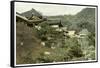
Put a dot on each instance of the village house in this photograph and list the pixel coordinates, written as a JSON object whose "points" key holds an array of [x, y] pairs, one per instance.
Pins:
{"points": [[29, 14], [71, 34], [31, 17], [61, 29], [54, 23]]}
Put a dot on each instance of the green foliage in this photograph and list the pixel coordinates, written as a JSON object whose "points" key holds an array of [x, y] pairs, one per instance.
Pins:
{"points": [[91, 37], [44, 58], [65, 48], [45, 30], [74, 49]]}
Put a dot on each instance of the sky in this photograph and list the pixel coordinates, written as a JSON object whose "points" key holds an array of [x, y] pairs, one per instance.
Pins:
{"points": [[49, 9]]}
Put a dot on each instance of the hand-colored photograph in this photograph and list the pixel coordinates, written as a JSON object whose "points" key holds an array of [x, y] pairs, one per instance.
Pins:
{"points": [[55, 33]]}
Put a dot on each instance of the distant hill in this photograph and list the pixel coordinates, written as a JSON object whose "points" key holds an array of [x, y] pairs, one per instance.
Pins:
{"points": [[87, 14], [86, 19], [87, 11]]}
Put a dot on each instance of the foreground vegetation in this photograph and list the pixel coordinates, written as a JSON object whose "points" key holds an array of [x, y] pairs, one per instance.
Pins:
{"points": [[58, 48]]}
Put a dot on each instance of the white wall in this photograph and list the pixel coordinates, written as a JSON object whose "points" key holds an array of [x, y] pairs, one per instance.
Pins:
{"points": [[5, 34]]}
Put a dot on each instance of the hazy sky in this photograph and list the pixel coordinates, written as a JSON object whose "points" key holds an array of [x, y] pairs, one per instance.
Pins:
{"points": [[48, 9]]}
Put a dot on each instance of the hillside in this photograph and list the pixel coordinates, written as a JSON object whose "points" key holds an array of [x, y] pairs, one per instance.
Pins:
{"points": [[86, 19], [42, 43]]}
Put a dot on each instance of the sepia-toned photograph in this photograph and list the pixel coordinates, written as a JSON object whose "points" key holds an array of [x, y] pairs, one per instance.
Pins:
{"points": [[47, 33]]}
